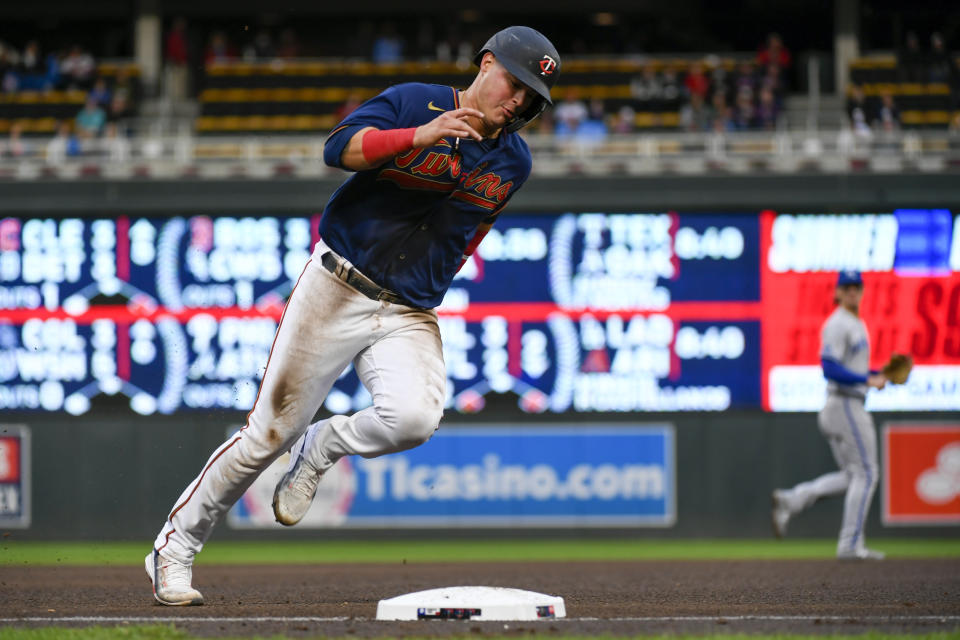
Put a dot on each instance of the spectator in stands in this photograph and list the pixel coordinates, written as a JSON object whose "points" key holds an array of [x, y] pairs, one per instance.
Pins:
{"points": [[586, 127], [745, 79], [388, 46], [16, 146], [32, 68], [773, 80], [52, 78], [176, 61], [941, 66], [767, 110], [624, 120], [672, 95], [569, 113], [593, 130], [125, 86], [647, 88], [118, 115], [116, 143], [718, 76], [9, 79], [888, 116], [63, 144], [744, 113], [31, 62], [219, 49], [260, 48], [722, 115], [774, 53], [696, 82], [89, 122], [695, 115], [77, 69], [857, 112], [911, 61], [100, 93]]}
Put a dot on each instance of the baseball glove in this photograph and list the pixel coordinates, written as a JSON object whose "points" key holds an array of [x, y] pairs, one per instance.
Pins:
{"points": [[898, 367]]}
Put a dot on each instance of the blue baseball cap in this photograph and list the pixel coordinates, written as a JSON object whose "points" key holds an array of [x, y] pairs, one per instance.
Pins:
{"points": [[849, 277]]}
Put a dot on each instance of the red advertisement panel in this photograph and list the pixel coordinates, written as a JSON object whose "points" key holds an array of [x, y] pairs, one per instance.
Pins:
{"points": [[921, 474], [10, 459]]}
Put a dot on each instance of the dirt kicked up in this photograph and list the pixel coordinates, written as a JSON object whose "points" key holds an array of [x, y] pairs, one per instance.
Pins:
{"points": [[602, 598]]}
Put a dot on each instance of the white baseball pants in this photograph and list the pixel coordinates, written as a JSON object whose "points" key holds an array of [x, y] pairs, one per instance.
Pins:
{"points": [[853, 440], [326, 324]]}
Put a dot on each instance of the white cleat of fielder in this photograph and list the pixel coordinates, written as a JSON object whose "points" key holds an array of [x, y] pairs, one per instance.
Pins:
{"points": [[171, 581], [861, 554], [294, 493]]}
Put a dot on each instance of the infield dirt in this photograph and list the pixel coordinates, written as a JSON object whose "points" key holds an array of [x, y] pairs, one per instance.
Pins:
{"points": [[609, 598]]}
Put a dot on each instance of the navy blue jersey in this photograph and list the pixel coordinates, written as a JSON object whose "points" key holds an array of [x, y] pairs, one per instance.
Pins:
{"points": [[411, 223]]}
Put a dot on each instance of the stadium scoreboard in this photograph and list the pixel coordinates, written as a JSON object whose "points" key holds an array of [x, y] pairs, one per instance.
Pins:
{"points": [[569, 312]]}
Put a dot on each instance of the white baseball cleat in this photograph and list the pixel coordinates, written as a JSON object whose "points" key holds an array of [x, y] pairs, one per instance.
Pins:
{"points": [[779, 513], [861, 554], [171, 581], [294, 493]]}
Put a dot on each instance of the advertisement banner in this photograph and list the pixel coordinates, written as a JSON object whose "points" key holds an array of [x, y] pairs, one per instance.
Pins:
{"points": [[492, 476], [14, 476], [921, 473]]}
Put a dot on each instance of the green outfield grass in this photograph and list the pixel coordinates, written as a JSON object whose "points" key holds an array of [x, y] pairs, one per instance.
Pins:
{"points": [[13, 551]]}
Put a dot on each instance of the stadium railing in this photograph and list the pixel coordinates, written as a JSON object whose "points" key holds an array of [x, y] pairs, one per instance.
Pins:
{"points": [[617, 154]]}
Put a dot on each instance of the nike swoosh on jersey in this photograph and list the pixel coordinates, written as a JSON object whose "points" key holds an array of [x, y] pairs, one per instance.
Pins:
{"points": [[434, 107]]}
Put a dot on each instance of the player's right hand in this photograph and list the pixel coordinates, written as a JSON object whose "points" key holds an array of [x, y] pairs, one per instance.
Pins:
{"points": [[449, 124]]}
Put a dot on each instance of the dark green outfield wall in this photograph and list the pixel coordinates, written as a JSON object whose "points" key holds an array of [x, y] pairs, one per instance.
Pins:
{"points": [[116, 476]]}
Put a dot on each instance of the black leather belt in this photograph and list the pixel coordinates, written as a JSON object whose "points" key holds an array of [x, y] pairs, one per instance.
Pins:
{"points": [[349, 274]]}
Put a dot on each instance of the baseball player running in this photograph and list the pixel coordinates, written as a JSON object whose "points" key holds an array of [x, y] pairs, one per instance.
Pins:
{"points": [[434, 166], [845, 357]]}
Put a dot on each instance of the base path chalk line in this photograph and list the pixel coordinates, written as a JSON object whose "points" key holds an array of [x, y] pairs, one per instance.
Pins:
{"points": [[650, 619]]}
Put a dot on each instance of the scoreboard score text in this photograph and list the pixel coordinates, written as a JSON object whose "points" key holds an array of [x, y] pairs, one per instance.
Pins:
{"points": [[582, 312]]}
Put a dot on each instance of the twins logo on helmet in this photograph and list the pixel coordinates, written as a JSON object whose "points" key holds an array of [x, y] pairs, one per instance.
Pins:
{"points": [[547, 65]]}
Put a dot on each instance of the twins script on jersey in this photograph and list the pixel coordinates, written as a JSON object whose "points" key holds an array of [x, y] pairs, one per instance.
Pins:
{"points": [[411, 223]]}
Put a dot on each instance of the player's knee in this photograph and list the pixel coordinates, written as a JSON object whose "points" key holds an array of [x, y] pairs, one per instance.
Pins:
{"points": [[867, 475], [415, 424]]}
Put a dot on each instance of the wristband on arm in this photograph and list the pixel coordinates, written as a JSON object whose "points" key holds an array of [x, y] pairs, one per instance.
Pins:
{"points": [[378, 145]]}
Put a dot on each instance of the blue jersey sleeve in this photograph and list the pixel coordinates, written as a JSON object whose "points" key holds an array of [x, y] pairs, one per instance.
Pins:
{"points": [[381, 112], [833, 370]]}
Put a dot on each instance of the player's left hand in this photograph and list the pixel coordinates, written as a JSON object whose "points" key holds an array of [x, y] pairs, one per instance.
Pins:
{"points": [[877, 380]]}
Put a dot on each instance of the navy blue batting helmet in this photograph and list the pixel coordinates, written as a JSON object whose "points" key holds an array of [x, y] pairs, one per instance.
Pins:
{"points": [[532, 59]]}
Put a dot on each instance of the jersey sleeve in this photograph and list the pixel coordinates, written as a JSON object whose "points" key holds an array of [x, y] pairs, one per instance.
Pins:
{"points": [[381, 112], [833, 340]]}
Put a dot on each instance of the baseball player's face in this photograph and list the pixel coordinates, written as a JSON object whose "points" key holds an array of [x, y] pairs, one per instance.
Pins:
{"points": [[850, 296], [501, 97]]}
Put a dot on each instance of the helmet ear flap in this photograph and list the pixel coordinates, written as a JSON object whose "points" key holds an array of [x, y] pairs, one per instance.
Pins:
{"points": [[535, 109]]}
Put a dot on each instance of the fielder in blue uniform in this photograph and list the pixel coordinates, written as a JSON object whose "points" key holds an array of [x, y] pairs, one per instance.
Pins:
{"points": [[845, 358], [434, 167]]}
